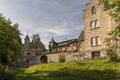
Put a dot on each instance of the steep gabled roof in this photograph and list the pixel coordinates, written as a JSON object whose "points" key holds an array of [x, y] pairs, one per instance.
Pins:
{"points": [[27, 37], [81, 36]]}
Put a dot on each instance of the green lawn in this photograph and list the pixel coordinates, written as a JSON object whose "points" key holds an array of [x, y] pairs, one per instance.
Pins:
{"points": [[98, 69]]}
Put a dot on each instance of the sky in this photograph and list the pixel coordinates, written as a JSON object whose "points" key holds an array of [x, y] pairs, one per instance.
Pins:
{"points": [[61, 19]]}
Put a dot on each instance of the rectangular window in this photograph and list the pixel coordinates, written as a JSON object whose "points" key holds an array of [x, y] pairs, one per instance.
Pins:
{"points": [[94, 24], [95, 54], [95, 41]]}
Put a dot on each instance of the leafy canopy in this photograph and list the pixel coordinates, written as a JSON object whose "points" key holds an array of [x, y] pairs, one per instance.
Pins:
{"points": [[10, 41]]}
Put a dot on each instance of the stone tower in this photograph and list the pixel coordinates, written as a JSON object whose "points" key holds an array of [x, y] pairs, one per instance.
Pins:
{"points": [[27, 40], [52, 44], [97, 25]]}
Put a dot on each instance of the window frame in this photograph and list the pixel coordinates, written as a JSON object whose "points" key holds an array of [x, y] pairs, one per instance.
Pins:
{"points": [[94, 24], [93, 10], [95, 54], [95, 41]]}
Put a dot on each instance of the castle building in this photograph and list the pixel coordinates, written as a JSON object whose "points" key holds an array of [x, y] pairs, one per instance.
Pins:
{"points": [[89, 45], [34, 52], [71, 48], [91, 42]]}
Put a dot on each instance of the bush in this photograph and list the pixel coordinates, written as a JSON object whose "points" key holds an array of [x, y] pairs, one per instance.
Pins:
{"points": [[62, 57], [113, 57]]}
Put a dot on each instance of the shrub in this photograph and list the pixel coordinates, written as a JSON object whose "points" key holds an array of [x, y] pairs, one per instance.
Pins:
{"points": [[113, 57], [62, 57]]}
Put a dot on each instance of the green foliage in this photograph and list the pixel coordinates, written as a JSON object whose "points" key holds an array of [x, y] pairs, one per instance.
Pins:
{"points": [[36, 39], [113, 43], [97, 69], [10, 42], [61, 57]]}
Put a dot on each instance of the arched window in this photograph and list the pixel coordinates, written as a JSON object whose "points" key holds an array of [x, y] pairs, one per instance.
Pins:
{"points": [[93, 10]]}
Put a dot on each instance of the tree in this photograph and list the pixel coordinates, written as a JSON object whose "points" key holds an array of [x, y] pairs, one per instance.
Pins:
{"points": [[10, 42], [113, 43], [36, 39]]}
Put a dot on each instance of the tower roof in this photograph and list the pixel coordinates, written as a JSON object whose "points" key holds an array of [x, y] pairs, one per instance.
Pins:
{"points": [[27, 37], [81, 36], [52, 40]]}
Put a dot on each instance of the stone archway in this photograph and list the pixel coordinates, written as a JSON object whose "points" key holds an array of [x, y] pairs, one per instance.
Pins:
{"points": [[43, 59]]}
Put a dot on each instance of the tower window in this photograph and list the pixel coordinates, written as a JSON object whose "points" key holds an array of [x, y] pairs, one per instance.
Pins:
{"points": [[93, 10], [95, 54], [94, 24], [95, 41]]}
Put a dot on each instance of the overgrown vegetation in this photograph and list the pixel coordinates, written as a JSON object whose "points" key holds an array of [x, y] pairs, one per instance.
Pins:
{"points": [[10, 47], [98, 69], [113, 43], [62, 57]]}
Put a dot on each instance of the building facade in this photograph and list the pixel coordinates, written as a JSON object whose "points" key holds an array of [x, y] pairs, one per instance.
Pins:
{"points": [[91, 42], [89, 45], [97, 24], [33, 52], [72, 49]]}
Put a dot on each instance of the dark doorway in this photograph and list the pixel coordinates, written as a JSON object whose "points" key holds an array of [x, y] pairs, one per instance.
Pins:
{"points": [[43, 59], [95, 54], [27, 61]]}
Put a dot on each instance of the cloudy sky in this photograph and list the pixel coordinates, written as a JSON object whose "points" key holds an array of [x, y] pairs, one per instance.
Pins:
{"points": [[61, 19]]}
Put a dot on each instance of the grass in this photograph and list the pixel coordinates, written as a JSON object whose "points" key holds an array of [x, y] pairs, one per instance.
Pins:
{"points": [[98, 69]]}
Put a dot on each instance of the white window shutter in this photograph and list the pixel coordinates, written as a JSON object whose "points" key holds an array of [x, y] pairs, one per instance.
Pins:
{"points": [[94, 42], [98, 38], [97, 23]]}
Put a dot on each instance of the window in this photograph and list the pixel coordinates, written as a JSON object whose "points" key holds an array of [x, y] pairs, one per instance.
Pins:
{"points": [[93, 10], [37, 54], [74, 44], [94, 24], [95, 41], [28, 53], [95, 54]]}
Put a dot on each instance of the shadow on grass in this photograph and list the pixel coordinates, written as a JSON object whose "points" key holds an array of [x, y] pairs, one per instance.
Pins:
{"points": [[72, 74]]}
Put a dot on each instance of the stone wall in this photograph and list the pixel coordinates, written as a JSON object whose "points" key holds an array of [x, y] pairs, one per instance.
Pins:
{"points": [[105, 26], [54, 57]]}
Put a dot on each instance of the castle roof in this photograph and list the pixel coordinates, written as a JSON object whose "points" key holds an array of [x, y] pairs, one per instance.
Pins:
{"points": [[52, 40], [27, 37], [81, 36]]}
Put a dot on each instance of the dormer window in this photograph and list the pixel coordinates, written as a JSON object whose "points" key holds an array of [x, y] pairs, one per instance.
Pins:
{"points": [[93, 10]]}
